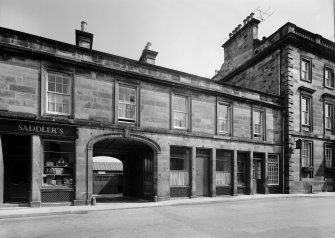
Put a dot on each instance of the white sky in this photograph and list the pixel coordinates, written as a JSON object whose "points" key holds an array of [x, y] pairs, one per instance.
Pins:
{"points": [[187, 34]]}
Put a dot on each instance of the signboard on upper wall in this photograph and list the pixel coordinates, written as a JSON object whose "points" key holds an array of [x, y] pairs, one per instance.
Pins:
{"points": [[37, 128]]}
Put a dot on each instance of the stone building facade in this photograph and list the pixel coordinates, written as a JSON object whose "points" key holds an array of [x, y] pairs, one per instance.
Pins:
{"points": [[298, 66], [177, 134]]}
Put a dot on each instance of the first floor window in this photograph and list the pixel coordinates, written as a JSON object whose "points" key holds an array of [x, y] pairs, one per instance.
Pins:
{"points": [[258, 123], [329, 156], [328, 116], [306, 154], [224, 118], [127, 104], [329, 77], [58, 98], [223, 167], [305, 70], [58, 165], [179, 166], [305, 111], [180, 112], [242, 158], [273, 169]]}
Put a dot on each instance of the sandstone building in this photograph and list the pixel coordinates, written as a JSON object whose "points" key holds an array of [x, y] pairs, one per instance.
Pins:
{"points": [[177, 134], [298, 66]]}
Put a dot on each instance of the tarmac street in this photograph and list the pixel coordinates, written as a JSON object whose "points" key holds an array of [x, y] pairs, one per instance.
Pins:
{"points": [[275, 217]]}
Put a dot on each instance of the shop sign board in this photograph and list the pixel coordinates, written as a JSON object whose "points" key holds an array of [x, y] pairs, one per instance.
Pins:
{"points": [[37, 128]]}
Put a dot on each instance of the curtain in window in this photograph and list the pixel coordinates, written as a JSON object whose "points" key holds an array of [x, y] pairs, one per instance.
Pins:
{"points": [[179, 178]]}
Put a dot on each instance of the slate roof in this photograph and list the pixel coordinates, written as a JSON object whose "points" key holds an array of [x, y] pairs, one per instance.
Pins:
{"points": [[108, 166]]}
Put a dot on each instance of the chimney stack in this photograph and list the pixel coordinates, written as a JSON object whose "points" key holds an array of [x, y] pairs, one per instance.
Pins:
{"points": [[83, 38], [148, 55]]}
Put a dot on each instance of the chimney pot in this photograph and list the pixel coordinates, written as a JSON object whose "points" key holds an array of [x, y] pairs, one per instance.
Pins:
{"points": [[244, 21], [230, 35], [148, 46], [247, 19], [252, 15], [239, 26], [83, 26]]}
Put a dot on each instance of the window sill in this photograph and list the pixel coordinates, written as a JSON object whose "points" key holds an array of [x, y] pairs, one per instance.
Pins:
{"points": [[307, 81], [224, 186], [224, 134], [330, 88]]}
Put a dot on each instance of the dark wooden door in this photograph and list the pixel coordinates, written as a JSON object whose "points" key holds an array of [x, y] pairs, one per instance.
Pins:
{"points": [[257, 176], [202, 175], [17, 160]]}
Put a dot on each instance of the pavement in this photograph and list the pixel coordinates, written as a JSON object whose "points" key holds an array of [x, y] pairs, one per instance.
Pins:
{"points": [[19, 212]]}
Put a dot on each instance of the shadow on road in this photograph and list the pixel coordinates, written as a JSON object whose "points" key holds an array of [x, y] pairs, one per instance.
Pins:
{"points": [[117, 198]]}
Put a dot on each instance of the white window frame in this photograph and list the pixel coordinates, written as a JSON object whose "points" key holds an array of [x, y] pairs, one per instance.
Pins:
{"points": [[224, 177], [329, 110], [329, 155], [305, 111], [258, 127], [273, 169], [60, 94], [129, 103], [176, 112], [329, 77], [307, 154], [180, 177], [305, 70], [228, 120]]}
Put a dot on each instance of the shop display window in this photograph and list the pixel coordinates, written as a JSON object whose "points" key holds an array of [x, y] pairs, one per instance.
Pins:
{"points": [[58, 164]]}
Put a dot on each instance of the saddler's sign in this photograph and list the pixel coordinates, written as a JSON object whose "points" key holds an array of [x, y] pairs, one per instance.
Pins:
{"points": [[37, 128]]}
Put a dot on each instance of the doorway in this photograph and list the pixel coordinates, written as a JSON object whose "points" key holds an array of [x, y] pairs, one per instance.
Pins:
{"points": [[17, 166], [258, 173], [136, 180], [202, 172]]}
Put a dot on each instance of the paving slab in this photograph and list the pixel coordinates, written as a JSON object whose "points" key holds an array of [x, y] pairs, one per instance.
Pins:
{"points": [[19, 212]]}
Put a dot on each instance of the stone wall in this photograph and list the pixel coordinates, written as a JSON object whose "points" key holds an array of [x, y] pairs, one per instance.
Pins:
{"points": [[19, 84], [262, 76], [318, 136]]}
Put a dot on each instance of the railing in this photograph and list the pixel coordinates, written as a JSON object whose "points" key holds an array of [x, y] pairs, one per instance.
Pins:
{"points": [[327, 43], [179, 178], [314, 37], [303, 33]]}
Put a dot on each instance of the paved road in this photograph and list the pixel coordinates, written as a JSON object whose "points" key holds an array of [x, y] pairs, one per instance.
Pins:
{"points": [[285, 217]]}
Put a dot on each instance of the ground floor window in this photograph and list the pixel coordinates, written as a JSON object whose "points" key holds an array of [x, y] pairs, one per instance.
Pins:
{"points": [[58, 163], [179, 166], [273, 169], [306, 154], [242, 158], [223, 167], [329, 156]]}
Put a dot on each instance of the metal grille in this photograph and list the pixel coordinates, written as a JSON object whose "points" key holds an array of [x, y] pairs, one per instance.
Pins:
{"points": [[330, 188], [57, 196], [309, 189]]}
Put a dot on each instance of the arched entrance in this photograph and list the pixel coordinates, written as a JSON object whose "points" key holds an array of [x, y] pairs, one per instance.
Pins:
{"points": [[138, 156]]}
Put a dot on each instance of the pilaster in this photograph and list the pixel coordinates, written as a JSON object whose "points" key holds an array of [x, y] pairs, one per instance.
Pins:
{"points": [[2, 177], [212, 173], [193, 172], [235, 173], [36, 171]]}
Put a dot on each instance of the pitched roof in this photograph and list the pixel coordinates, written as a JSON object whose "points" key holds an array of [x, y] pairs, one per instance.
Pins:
{"points": [[108, 166]]}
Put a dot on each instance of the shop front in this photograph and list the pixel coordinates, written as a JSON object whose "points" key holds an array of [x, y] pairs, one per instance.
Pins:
{"points": [[37, 162]]}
